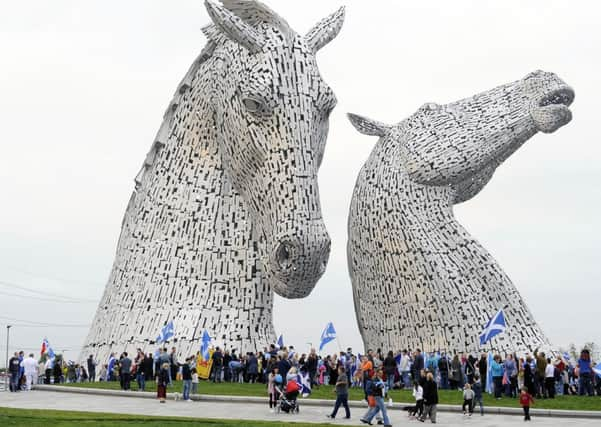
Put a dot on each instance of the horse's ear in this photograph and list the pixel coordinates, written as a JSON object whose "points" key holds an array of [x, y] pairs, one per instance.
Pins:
{"points": [[325, 30], [368, 126], [235, 28]]}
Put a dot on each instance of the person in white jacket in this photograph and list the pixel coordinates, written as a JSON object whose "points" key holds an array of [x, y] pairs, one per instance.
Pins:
{"points": [[30, 370]]}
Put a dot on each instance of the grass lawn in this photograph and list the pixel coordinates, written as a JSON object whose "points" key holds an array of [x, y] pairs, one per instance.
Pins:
{"points": [[326, 392], [10, 417]]}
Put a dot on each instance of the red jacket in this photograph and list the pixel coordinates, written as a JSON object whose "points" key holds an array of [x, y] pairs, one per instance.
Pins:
{"points": [[526, 399]]}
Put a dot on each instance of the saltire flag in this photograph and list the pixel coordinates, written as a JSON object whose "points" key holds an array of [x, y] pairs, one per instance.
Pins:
{"points": [[494, 327], [280, 342], [328, 334], [305, 383], [597, 369], [50, 352], [204, 346], [566, 356], [167, 332], [489, 373], [44, 346]]}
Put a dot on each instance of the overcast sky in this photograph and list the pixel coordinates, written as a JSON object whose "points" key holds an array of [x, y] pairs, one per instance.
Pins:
{"points": [[83, 86]]}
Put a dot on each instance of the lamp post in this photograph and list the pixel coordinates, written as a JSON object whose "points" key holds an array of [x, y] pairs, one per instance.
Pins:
{"points": [[6, 379]]}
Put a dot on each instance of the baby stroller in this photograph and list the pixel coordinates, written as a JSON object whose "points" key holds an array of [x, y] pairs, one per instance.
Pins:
{"points": [[288, 397]]}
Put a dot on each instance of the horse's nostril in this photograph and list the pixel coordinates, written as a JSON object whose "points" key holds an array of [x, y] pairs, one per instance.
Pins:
{"points": [[283, 256]]}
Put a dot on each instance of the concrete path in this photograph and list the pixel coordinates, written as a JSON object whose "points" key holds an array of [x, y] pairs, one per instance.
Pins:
{"points": [[250, 411]]}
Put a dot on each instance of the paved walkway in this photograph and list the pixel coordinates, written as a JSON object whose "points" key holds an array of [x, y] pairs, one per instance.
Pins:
{"points": [[251, 411]]}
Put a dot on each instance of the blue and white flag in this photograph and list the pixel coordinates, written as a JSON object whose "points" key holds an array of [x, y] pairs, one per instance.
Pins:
{"points": [[305, 383], [280, 342], [597, 369], [204, 346], [489, 373], [50, 352], [328, 334], [566, 356], [494, 327], [167, 332]]}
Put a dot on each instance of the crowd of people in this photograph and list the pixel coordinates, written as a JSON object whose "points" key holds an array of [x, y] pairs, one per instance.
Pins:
{"points": [[527, 377]]}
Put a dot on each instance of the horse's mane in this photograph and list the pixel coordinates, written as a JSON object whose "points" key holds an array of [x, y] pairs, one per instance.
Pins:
{"points": [[251, 12]]}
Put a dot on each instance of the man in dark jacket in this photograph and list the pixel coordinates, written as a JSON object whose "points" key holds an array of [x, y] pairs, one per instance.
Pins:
{"points": [[430, 398], [483, 367], [443, 368], [13, 368], [217, 365], [91, 368], [125, 371], [418, 364], [311, 366]]}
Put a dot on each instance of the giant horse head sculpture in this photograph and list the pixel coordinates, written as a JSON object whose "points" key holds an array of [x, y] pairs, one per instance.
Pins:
{"points": [[433, 284], [459, 145], [271, 110]]}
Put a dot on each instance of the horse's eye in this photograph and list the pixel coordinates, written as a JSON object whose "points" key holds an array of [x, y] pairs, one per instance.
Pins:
{"points": [[252, 105]]}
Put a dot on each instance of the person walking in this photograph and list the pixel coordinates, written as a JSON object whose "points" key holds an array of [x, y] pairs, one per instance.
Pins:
{"points": [[377, 390], [418, 393], [430, 399], [526, 400], [30, 370], [162, 382], [342, 384], [14, 365]]}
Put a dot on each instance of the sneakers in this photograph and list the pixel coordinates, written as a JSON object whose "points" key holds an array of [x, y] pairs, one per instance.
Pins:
{"points": [[329, 416], [365, 421]]}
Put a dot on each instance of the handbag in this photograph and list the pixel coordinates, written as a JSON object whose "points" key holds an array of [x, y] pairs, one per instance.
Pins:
{"points": [[371, 401]]}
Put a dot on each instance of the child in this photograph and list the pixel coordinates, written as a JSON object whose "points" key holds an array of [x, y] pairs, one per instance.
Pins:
{"points": [[477, 389], [162, 381], [194, 381], [271, 384], [418, 393], [468, 399], [525, 400]]}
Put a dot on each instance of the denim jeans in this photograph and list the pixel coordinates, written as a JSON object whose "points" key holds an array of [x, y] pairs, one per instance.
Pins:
{"points": [[380, 407], [187, 387], [389, 381], [14, 381], [406, 379], [341, 399], [585, 385], [444, 380], [498, 382], [559, 386], [141, 381]]}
